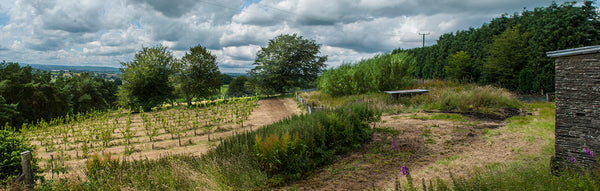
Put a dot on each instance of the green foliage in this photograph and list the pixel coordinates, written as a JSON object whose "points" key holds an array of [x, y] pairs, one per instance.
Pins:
{"points": [[29, 96], [226, 79], [239, 87], [87, 93], [198, 75], [11, 146], [288, 62], [508, 56], [509, 44], [146, 78], [482, 99], [522, 176], [7, 111], [462, 67], [381, 73], [289, 148]]}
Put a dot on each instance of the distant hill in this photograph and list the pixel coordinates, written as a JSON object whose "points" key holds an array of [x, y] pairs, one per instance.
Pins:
{"points": [[235, 75], [98, 69]]}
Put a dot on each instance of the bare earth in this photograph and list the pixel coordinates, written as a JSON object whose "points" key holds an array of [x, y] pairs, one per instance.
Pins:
{"points": [[435, 149], [267, 112]]}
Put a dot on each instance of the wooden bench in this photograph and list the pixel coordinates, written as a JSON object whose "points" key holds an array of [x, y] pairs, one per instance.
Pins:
{"points": [[398, 93]]}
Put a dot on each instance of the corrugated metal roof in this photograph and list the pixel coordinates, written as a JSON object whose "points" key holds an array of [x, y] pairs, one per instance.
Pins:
{"points": [[574, 51]]}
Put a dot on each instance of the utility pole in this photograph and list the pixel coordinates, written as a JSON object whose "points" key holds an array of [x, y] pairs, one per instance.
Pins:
{"points": [[423, 37]]}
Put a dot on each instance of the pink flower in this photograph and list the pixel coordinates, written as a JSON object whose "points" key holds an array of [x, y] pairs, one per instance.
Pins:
{"points": [[587, 150], [394, 144], [405, 170], [573, 159]]}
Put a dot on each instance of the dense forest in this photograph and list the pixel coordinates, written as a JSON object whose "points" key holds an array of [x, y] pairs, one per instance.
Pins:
{"points": [[28, 95], [510, 51]]}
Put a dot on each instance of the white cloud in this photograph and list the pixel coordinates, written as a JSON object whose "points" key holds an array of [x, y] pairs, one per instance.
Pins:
{"points": [[95, 32]]}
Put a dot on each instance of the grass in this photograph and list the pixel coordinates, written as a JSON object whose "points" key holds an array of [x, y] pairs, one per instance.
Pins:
{"points": [[523, 176], [528, 171], [269, 156], [441, 116], [443, 96]]}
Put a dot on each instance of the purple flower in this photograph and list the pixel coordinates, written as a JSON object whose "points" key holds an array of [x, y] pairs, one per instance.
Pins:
{"points": [[587, 150], [394, 144], [573, 159], [405, 170]]}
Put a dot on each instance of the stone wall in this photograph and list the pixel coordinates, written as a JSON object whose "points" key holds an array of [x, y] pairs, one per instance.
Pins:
{"points": [[577, 109]]}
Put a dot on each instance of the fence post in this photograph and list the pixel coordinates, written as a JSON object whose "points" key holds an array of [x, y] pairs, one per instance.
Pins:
{"points": [[27, 176]]}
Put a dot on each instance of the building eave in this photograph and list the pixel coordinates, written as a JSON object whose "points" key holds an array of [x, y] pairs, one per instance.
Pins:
{"points": [[574, 51]]}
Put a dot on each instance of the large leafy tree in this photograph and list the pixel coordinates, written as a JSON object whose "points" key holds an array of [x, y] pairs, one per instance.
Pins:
{"points": [[86, 93], [287, 62], [146, 79], [461, 67], [507, 56], [199, 75]]}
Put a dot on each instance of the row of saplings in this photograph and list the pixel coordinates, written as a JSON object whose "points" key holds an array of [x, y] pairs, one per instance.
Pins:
{"points": [[97, 131]]}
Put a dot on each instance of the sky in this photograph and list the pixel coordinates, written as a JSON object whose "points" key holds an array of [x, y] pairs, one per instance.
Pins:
{"points": [[109, 32]]}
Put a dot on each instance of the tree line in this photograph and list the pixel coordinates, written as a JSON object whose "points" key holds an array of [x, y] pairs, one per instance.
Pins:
{"points": [[28, 95], [510, 51]]}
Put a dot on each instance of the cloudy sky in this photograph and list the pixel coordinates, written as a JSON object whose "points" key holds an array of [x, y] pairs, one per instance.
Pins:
{"points": [[106, 33]]}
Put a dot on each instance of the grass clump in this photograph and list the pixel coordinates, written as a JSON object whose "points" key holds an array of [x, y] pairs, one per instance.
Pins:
{"points": [[523, 176], [472, 98]]}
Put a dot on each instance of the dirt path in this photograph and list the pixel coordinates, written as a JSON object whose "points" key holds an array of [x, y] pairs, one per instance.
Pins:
{"points": [[268, 111], [273, 110], [430, 148]]}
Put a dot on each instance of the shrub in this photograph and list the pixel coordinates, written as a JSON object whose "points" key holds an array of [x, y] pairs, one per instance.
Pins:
{"points": [[287, 149], [381, 73], [11, 146], [468, 98]]}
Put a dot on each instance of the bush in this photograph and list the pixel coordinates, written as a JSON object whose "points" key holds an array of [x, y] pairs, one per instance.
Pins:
{"points": [[381, 73], [11, 146], [468, 98], [286, 150]]}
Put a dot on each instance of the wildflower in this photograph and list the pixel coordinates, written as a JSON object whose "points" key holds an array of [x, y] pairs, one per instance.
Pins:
{"points": [[587, 150], [573, 159], [394, 144], [405, 170]]}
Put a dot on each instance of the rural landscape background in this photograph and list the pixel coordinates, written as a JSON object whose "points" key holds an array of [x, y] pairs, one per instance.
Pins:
{"points": [[292, 116]]}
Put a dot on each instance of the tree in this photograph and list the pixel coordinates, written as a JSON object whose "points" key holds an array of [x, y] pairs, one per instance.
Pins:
{"points": [[226, 78], [507, 56], [7, 111], [239, 87], [146, 78], [461, 66], [288, 62], [199, 75]]}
